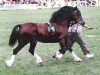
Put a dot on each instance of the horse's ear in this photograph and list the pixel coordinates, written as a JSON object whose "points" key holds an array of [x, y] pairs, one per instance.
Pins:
{"points": [[75, 8]]}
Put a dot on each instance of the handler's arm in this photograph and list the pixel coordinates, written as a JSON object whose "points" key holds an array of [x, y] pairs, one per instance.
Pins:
{"points": [[87, 27]]}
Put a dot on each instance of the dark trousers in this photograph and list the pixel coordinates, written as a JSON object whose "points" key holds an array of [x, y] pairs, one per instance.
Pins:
{"points": [[75, 37]]}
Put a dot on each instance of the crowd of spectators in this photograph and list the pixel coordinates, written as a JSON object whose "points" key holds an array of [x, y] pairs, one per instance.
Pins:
{"points": [[51, 3]]}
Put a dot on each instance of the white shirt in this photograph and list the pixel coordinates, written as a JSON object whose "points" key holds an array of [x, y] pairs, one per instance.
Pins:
{"points": [[75, 28]]}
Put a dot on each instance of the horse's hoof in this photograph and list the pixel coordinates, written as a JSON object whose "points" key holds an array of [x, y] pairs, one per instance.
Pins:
{"points": [[55, 57], [39, 61], [41, 64], [78, 60], [7, 64]]}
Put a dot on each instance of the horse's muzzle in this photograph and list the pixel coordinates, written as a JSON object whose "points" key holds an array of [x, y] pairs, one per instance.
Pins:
{"points": [[81, 21]]}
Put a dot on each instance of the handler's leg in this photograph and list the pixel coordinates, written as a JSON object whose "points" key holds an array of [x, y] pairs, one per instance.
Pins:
{"points": [[83, 46]]}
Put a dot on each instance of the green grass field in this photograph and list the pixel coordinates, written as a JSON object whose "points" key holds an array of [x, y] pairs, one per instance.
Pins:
{"points": [[25, 63]]}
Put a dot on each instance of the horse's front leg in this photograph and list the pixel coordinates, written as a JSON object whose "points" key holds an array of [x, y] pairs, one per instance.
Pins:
{"points": [[39, 61], [73, 55], [62, 51]]}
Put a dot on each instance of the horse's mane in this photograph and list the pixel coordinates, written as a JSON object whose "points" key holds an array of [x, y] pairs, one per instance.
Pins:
{"points": [[63, 13]]}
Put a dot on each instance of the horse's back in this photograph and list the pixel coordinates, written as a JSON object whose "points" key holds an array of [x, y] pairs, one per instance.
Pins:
{"points": [[34, 29], [28, 28]]}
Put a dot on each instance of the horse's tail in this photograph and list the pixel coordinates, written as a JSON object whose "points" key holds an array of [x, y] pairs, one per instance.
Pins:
{"points": [[14, 35]]}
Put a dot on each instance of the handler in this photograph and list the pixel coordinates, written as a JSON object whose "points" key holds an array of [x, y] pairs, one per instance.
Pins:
{"points": [[74, 36]]}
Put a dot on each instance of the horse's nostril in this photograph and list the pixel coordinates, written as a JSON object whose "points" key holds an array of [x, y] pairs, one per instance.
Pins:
{"points": [[81, 22], [84, 23]]}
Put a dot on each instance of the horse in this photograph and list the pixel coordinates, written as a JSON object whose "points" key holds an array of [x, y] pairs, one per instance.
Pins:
{"points": [[52, 32]]}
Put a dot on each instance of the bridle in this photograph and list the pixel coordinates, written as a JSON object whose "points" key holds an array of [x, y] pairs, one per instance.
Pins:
{"points": [[75, 14], [79, 20]]}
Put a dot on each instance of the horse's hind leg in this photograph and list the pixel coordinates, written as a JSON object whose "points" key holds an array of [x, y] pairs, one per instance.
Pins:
{"points": [[21, 44], [31, 50]]}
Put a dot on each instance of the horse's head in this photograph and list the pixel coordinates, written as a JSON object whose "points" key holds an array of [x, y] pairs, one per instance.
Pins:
{"points": [[77, 16], [66, 14]]}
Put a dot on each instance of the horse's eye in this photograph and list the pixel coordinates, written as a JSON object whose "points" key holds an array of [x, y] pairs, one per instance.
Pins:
{"points": [[75, 12]]}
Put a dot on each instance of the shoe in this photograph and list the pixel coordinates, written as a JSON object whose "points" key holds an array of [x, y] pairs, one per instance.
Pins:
{"points": [[89, 56]]}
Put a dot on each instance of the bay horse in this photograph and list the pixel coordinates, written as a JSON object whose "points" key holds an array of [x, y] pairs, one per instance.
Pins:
{"points": [[39, 32]]}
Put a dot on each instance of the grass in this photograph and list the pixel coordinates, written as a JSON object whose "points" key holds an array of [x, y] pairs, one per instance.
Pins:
{"points": [[25, 63]]}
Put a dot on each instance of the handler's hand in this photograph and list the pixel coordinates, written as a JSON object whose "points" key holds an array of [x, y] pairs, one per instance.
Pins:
{"points": [[90, 28]]}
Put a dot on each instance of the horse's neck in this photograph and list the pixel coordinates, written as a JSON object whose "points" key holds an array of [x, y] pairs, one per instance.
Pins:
{"points": [[53, 24]]}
